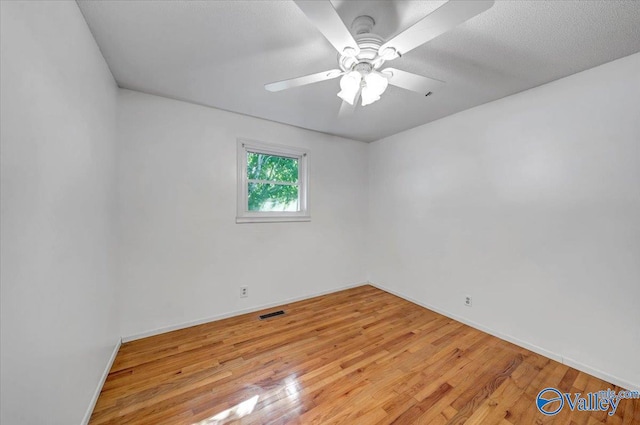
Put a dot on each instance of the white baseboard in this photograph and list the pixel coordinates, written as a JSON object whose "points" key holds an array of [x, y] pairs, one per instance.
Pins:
{"points": [[509, 338], [623, 383], [233, 313], [103, 378]]}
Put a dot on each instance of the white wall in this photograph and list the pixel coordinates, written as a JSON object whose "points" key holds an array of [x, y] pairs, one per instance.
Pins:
{"points": [[183, 257], [531, 205], [58, 320]]}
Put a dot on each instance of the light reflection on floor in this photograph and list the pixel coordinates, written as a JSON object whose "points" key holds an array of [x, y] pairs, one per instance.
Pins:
{"points": [[289, 390], [292, 387], [233, 413]]}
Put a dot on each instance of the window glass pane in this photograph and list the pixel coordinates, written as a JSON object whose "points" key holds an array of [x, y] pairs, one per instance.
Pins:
{"points": [[273, 197], [271, 167]]}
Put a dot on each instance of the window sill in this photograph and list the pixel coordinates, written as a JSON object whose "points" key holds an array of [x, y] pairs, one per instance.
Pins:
{"points": [[281, 219]]}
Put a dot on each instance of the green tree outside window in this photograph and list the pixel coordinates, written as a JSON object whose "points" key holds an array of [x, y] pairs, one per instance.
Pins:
{"points": [[272, 182]]}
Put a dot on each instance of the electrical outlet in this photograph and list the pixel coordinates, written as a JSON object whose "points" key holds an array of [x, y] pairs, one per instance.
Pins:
{"points": [[468, 301], [244, 291]]}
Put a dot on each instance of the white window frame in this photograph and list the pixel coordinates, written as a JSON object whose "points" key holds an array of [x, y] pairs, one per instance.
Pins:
{"points": [[302, 155]]}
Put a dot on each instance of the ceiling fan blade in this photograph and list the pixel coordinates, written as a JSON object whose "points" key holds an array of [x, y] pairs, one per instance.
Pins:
{"points": [[441, 20], [324, 16], [347, 110], [301, 81], [408, 81]]}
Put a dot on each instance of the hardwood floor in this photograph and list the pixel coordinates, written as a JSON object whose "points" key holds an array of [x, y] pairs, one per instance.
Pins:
{"points": [[360, 356]]}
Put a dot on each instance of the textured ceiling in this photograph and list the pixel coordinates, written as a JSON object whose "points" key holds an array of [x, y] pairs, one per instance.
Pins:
{"points": [[221, 53]]}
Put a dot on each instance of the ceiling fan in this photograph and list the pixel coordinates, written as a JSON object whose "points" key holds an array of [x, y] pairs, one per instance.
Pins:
{"points": [[361, 56]]}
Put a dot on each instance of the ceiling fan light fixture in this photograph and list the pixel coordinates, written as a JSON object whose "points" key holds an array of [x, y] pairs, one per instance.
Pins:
{"points": [[376, 82], [348, 97], [350, 86], [369, 96], [375, 85]]}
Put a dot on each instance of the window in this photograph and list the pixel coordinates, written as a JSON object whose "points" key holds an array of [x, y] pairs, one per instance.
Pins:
{"points": [[272, 183]]}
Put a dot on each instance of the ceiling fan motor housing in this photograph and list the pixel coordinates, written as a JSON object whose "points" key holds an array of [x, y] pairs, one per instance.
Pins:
{"points": [[369, 44]]}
